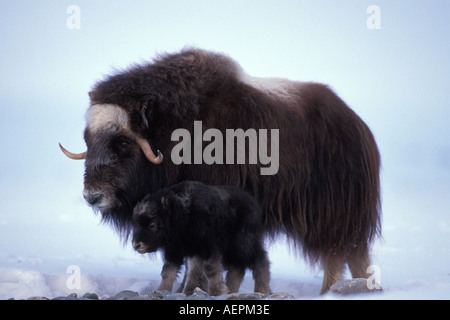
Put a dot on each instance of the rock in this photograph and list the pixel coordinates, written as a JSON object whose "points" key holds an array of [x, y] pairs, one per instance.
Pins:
{"points": [[90, 296], [144, 297], [176, 296], [342, 287], [246, 296], [199, 294], [353, 286], [125, 294], [280, 296], [37, 298], [158, 294], [64, 298]]}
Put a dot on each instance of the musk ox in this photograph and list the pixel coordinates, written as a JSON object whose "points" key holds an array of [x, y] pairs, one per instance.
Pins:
{"points": [[219, 225], [325, 195]]}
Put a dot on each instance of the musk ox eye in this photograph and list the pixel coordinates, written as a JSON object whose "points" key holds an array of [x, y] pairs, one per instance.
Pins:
{"points": [[152, 226], [122, 143]]}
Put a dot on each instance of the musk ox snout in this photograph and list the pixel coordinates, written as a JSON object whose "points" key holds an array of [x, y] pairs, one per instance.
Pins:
{"points": [[92, 198], [97, 199], [139, 246]]}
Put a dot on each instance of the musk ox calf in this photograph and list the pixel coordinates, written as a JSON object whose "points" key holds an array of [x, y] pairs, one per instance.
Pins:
{"points": [[218, 225]]}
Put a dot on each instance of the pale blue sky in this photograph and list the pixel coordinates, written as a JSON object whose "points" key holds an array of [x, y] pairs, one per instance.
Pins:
{"points": [[396, 78]]}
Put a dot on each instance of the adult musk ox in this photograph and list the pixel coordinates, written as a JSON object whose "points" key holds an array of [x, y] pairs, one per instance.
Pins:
{"points": [[325, 195], [220, 225]]}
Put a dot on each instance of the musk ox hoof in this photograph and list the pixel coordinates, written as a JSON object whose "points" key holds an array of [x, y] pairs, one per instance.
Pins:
{"points": [[355, 286]]}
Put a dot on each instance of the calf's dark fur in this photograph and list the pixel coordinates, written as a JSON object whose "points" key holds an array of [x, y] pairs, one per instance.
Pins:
{"points": [[220, 226]]}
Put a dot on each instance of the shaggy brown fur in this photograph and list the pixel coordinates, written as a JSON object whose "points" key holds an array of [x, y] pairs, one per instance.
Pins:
{"points": [[326, 194]]}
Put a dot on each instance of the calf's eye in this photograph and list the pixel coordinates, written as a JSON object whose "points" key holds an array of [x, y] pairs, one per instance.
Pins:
{"points": [[152, 226]]}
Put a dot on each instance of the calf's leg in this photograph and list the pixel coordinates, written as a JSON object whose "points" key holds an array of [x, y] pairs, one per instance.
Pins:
{"points": [[234, 278], [261, 273], [194, 276], [213, 270], [169, 274]]}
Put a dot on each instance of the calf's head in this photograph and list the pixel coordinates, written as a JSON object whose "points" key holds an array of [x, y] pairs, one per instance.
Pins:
{"points": [[148, 224]]}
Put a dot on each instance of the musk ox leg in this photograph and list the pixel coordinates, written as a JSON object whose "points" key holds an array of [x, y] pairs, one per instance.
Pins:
{"points": [[358, 264], [213, 270], [169, 274], [183, 283], [194, 276], [333, 266], [234, 278], [261, 273]]}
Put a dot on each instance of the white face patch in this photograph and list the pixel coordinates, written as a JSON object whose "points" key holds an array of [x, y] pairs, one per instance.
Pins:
{"points": [[106, 117]]}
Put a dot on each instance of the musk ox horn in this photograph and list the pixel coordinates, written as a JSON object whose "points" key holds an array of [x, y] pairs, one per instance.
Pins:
{"points": [[74, 156], [149, 152]]}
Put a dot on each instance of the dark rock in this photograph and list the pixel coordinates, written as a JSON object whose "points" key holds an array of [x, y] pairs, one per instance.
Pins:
{"points": [[90, 295], [353, 286], [37, 298], [125, 294], [64, 298], [280, 296], [144, 297]]}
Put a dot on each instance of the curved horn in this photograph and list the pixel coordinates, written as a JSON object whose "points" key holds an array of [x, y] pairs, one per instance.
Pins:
{"points": [[74, 156], [149, 152]]}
